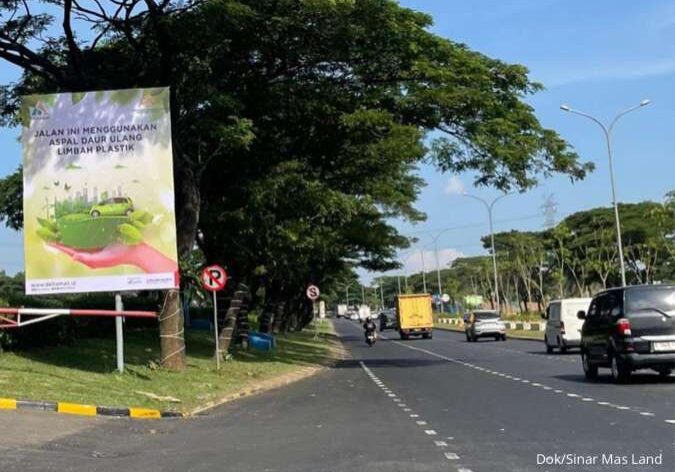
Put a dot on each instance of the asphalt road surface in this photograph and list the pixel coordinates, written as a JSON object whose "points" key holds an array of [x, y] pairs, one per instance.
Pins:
{"points": [[419, 405]]}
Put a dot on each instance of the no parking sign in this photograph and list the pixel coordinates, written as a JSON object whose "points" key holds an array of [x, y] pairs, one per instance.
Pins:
{"points": [[214, 278]]}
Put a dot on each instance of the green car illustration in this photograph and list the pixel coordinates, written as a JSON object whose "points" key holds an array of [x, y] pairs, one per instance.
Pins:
{"points": [[116, 206]]}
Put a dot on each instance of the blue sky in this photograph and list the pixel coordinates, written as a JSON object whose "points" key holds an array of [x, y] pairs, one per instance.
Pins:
{"points": [[600, 57]]}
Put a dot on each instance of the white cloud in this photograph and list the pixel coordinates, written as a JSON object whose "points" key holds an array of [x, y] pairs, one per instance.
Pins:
{"points": [[454, 186], [413, 262]]}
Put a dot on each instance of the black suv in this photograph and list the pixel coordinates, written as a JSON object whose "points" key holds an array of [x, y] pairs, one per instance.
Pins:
{"points": [[629, 328]]}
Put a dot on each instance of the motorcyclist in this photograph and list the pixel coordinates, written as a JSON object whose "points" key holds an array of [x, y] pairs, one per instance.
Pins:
{"points": [[369, 327]]}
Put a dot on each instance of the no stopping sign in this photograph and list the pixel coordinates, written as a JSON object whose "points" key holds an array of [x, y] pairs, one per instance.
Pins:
{"points": [[313, 292]]}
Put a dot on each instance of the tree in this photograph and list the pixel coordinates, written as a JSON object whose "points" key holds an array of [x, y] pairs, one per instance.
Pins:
{"points": [[296, 125]]}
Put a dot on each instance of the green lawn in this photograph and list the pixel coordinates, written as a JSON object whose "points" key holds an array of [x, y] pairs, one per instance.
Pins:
{"points": [[509, 332], [84, 372]]}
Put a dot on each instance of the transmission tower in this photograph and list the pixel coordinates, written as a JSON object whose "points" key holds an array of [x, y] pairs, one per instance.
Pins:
{"points": [[550, 210]]}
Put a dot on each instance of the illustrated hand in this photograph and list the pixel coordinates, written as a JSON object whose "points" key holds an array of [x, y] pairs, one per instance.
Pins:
{"points": [[143, 256]]}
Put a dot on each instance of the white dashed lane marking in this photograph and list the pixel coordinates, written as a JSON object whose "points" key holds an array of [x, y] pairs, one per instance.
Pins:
{"points": [[452, 456], [533, 384]]}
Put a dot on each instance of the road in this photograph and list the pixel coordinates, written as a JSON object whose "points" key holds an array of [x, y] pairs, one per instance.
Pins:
{"points": [[419, 405]]}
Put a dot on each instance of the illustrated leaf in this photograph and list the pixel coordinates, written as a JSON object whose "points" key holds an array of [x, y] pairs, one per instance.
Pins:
{"points": [[142, 216], [77, 97], [138, 224], [124, 97], [49, 224], [129, 234], [47, 235]]}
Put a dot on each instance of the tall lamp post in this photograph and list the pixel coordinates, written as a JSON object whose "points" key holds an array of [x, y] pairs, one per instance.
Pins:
{"points": [[490, 206], [438, 263], [608, 137], [424, 270]]}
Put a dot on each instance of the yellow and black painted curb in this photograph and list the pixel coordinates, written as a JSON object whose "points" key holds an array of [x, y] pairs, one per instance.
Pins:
{"points": [[88, 410]]}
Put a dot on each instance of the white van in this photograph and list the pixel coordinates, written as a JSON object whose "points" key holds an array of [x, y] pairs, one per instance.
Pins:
{"points": [[563, 328]]}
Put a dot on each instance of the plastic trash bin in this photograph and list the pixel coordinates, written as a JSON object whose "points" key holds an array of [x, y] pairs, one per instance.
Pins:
{"points": [[261, 341]]}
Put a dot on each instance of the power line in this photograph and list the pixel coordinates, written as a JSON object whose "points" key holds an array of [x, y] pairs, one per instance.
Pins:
{"points": [[478, 225]]}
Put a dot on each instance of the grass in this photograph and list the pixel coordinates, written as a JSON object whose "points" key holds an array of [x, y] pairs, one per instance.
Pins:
{"points": [[84, 372], [526, 334], [509, 332]]}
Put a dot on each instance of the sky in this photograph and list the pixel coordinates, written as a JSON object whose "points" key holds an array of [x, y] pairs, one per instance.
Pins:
{"points": [[600, 57]]}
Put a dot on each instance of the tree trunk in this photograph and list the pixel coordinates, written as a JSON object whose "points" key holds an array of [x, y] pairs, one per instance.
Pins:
{"points": [[171, 323], [171, 339], [227, 332]]}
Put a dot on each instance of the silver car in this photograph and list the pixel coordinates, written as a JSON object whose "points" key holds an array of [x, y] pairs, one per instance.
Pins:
{"points": [[484, 324]]}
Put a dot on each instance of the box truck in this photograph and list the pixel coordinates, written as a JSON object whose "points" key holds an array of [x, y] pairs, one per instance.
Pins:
{"points": [[414, 315]]}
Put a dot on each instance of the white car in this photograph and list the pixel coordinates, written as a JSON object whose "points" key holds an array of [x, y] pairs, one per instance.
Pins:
{"points": [[484, 324], [563, 328]]}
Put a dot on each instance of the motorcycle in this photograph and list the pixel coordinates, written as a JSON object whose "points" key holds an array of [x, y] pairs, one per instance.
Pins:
{"points": [[370, 338]]}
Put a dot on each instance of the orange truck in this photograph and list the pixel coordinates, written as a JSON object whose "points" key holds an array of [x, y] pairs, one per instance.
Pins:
{"points": [[414, 314]]}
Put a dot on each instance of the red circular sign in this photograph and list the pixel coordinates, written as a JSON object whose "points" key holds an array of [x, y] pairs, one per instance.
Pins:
{"points": [[313, 292], [214, 278]]}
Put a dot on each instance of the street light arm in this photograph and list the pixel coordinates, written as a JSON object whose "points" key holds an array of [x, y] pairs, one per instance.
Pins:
{"points": [[625, 112], [500, 197], [468, 195], [590, 117]]}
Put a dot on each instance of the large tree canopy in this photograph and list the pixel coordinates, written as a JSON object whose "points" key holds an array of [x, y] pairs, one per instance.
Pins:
{"points": [[297, 125]]}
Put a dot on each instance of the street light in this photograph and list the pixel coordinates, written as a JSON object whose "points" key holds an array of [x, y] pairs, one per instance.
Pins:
{"points": [[608, 137], [489, 207], [424, 270], [438, 264]]}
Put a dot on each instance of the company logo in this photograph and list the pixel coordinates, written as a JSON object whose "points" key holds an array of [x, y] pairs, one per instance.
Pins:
{"points": [[39, 111], [147, 101], [148, 104]]}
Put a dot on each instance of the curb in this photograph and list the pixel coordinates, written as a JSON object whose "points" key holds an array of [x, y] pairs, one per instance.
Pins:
{"points": [[153, 414], [510, 336], [275, 383], [66, 408], [305, 373]]}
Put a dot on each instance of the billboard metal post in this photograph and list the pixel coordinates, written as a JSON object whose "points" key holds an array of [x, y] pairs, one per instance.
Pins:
{"points": [[119, 333]]}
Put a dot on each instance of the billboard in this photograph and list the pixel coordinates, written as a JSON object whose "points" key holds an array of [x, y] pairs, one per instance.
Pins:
{"points": [[98, 192]]}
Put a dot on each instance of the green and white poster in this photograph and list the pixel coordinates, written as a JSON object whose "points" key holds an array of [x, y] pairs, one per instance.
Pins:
{"points": [[98, 192]]}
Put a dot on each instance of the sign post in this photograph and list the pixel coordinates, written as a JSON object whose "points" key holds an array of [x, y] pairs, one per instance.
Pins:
{"points": [[214, 279], [313, 293], [119, 333]]}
